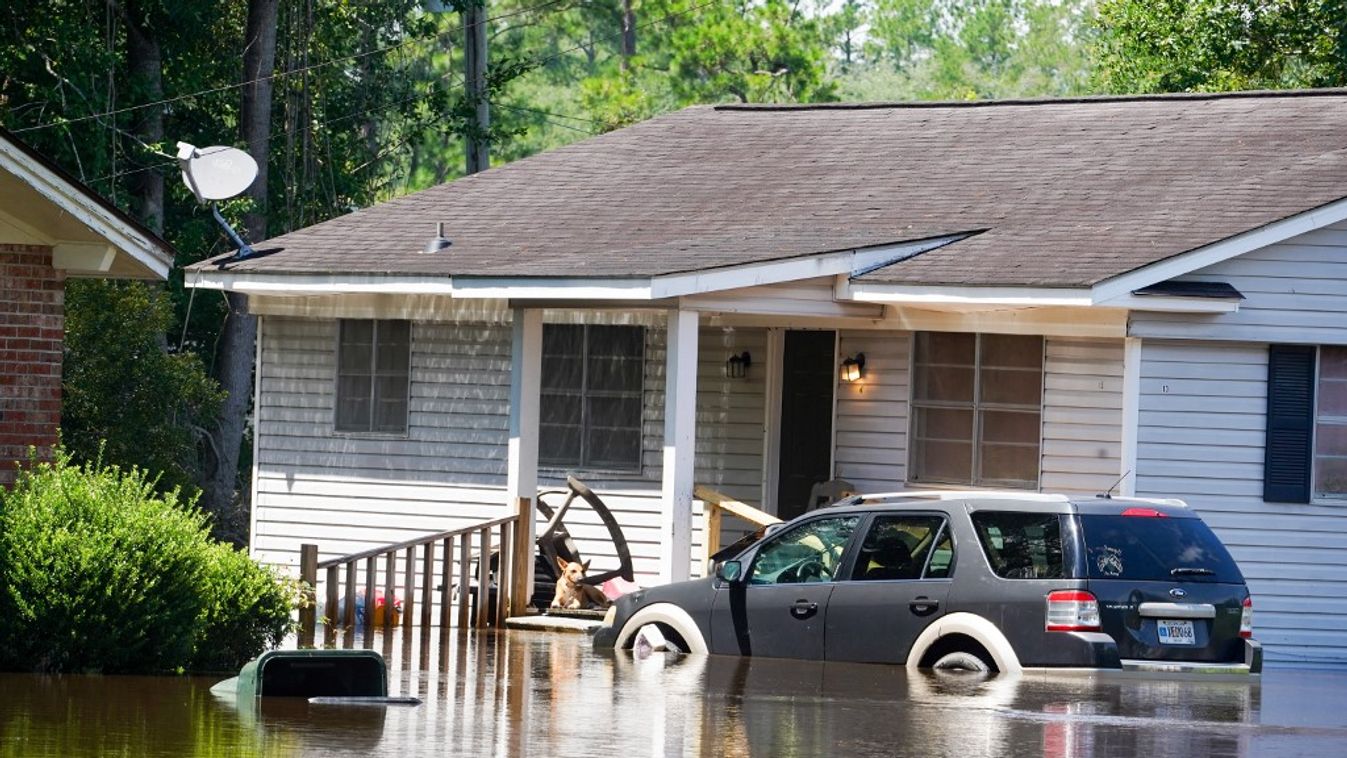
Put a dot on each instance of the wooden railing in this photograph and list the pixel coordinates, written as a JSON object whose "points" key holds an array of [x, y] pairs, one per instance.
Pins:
{"points": [[456, 553], [717, 506]]}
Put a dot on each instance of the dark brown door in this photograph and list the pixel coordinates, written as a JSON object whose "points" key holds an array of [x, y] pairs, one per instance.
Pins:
{"points": [[807, 382]]}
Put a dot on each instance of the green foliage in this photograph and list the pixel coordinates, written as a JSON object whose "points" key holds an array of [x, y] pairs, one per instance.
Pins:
{"points": [[753, 52], [126, 398], [100, 573], [972, 49], [1216, 45], [247, 610]]}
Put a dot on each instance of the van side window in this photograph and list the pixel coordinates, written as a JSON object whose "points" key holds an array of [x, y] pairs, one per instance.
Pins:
{"points": [[1021, 545], [896, 547]]}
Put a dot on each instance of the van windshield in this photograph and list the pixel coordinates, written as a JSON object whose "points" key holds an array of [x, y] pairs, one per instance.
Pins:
{"points": [[1142, 548]]}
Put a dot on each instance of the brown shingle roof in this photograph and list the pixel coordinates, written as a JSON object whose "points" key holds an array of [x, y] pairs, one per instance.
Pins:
{"points": [[1070, 192]]}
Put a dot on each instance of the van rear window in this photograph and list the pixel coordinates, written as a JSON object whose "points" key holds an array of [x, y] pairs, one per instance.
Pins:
{"points": [[1141, 548]]}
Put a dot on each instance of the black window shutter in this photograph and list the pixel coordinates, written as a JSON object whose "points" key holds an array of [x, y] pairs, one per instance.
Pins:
{"points": [[1290, 424]]}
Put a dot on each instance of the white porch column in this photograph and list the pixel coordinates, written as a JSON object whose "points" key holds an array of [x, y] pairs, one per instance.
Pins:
{"points": [[526, 369], [680, 416]]}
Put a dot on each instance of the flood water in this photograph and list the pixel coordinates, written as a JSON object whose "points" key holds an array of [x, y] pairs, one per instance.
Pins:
{"points": [[531, 693]]}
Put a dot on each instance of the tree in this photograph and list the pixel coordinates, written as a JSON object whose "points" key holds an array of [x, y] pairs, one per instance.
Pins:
{"points": [[151, 406], [1214, 45]]}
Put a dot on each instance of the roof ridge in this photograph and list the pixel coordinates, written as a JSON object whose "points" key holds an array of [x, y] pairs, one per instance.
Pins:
{"points": [[1074, 100]]}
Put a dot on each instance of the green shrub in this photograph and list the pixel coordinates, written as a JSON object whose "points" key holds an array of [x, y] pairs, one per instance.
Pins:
{"points": [[247, 610], [100, 573]]}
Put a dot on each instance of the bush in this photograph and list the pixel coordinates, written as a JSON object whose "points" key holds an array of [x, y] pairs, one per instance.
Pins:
{"points": [[247, 610], [100, 573]]}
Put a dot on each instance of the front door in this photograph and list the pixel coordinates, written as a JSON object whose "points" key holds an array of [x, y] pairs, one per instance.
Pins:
{"points": [[808, 377], [780, 608]]}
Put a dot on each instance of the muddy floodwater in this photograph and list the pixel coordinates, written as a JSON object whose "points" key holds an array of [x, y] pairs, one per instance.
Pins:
{"points": [[529, 693]]}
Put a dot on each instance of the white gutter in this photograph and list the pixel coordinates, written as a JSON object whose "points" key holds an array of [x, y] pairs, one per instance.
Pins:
{"points": [[74, 201]]}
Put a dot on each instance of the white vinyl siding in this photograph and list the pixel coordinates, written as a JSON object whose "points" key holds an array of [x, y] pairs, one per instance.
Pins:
{"points": [[1200, 438], [871, 423], [1296, 292], [348, 493], [1082, 415]]}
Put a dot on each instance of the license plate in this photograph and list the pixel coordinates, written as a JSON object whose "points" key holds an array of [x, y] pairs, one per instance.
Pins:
{"points": [[1176, 632]]}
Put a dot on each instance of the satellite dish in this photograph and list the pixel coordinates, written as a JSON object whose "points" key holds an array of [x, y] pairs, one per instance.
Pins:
{"points": [[218, 173]]}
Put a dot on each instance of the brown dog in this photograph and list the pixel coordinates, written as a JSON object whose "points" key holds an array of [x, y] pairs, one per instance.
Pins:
{"points": [[571, 594]]}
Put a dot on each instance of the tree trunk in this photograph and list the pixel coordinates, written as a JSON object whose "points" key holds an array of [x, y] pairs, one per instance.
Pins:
{"points": [[234, 363], [628, 33], [144, 65]]}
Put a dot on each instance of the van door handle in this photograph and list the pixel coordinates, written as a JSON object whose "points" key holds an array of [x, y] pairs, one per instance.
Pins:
{"points": [[803, 609], [923, 606]]}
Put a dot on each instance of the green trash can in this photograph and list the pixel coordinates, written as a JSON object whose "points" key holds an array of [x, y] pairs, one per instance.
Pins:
{"points": [[314, 673]]}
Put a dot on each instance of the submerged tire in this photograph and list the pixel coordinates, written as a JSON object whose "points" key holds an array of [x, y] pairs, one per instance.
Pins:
{"points": [[959, 660]]}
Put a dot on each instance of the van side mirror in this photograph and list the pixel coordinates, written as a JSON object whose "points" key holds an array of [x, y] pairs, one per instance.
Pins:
{"points": [[729, 571]]}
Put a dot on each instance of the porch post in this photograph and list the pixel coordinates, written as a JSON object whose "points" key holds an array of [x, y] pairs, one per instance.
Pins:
{"points": [[526, 368], [680, 416]]}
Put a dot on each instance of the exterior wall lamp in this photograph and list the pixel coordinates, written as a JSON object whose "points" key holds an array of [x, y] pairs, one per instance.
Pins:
{"points": [[853, 369], [737, 366]]}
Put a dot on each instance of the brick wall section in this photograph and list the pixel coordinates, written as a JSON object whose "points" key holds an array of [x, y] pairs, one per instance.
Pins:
{"points": [[32, 325]]}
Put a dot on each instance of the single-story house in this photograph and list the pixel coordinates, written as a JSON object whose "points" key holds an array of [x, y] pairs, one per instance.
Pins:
{"points": [[52, 227], [1139, 294]]}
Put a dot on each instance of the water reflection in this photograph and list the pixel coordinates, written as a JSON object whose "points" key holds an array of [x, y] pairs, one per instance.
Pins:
{"points": [[546, 695]]}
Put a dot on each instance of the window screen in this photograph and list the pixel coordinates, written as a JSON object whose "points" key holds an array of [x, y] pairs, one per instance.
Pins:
{"points": [[591, 396], [1330, 429], [373, 365]]}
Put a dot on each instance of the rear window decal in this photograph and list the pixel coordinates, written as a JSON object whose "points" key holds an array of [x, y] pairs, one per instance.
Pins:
{"points": [[1109, 560]]}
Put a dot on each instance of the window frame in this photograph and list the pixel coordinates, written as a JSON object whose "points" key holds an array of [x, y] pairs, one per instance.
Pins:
{"points": [[845, 559], [977, 407], [583, 464], [944, 530], [369, 431], [1316, 496]]}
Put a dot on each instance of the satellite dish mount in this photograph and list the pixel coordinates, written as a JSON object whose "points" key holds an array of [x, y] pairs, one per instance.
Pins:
{"points": [[218, 173]]}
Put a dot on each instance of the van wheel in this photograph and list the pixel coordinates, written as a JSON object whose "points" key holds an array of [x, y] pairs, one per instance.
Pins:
{"points": [[959, 660]]}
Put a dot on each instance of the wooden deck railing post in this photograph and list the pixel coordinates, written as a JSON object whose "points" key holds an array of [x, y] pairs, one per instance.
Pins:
{"points": [[483, 577], [520, 591], [409, 584], [427, 582], [710, 534], [447, 583], [330, 606], [390, 586], [504, 583], [371, 582], [348, 618], [308, 573], [464, 577]]}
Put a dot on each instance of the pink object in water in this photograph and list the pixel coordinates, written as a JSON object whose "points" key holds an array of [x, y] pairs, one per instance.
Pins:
{"points": [[616, 588]]}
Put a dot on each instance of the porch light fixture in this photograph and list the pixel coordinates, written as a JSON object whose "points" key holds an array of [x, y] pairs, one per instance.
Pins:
{"points": [[853, 369], [737, 366]]}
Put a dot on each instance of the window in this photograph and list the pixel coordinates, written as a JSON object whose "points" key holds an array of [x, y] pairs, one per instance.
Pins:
{"points": [[1330, 424], [1021, 545], [373, 360], [810, 552], [1305, 449], [976, 406], [896, 547], [591, 396], [1144, 549]]}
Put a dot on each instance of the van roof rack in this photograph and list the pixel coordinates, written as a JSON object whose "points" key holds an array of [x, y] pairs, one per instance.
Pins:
{"points": [[884, 497]]}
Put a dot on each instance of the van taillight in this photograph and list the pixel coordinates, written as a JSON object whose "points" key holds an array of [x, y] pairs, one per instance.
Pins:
{"points": [[1144, 512], [1246, 619], [1072, 611]]}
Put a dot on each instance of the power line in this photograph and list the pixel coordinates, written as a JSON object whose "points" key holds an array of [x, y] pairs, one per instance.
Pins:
{"points": [[280, 74]]}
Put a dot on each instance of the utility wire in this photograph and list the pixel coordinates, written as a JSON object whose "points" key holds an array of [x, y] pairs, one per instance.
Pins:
{"points": [[279, 74]]}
